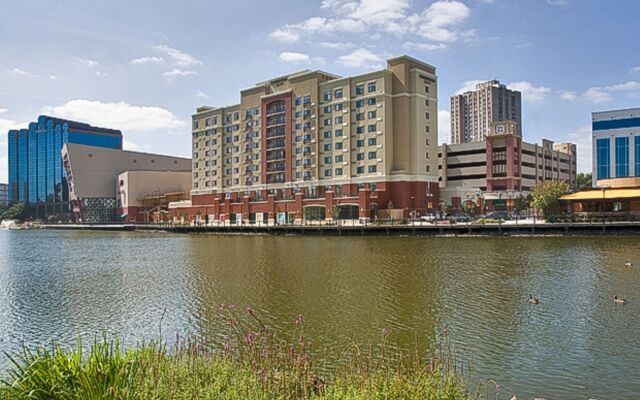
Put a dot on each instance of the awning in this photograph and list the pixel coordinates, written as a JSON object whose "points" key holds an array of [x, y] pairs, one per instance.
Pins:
{"points": [[606, 194]]}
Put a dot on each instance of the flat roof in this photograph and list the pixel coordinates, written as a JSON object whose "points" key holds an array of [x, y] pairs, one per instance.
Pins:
{"points": [[600, 194]]}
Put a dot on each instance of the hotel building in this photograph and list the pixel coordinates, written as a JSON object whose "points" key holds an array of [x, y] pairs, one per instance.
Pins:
{"points": [[501, 168], [36, 174], [316, 145], [616, 148], [473, 112]]}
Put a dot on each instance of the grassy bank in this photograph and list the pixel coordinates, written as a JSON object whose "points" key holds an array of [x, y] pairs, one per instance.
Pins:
{"points": [[252, 363]]}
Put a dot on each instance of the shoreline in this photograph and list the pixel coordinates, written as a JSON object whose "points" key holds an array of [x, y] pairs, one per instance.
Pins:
{"points": [[444, 230]]}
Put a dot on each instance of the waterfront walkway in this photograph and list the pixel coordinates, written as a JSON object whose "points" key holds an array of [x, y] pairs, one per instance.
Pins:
{"points": [[526, 227]]}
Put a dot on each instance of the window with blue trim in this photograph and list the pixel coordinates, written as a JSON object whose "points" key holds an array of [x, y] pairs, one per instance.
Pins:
{"points": [[637, 154], [603, 158], [622, 157]]}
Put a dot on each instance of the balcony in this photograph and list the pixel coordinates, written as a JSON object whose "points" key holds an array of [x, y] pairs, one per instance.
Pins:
{"points": [[279, 178], [275, 144], [276, 156], [276, 108], [276, 120], [275, 132], [276, 167]]}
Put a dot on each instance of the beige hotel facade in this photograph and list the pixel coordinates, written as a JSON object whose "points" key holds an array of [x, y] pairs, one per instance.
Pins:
{"points": [[313, 145]]}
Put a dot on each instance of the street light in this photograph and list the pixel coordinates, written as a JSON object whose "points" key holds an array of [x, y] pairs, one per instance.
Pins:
{"points": [[604, 188], [413, 210]]}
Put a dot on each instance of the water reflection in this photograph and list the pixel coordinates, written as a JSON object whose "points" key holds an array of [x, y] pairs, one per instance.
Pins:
{"points": [[576, 343]]}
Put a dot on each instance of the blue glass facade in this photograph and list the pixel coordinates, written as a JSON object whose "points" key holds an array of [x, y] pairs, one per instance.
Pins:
{"points": [[637, 154], [36, 174], [622, 157], [603, 155]]}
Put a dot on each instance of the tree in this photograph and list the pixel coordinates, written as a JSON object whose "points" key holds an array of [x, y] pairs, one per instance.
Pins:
{"points": [[16, 211], [546, 196], [584, 180]]}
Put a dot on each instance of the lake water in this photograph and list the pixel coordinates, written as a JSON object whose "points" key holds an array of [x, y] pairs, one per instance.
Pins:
{"points": [[55, 285]]}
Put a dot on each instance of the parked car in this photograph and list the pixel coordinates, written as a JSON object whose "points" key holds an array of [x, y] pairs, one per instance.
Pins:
{"points": [[433, 217], [504, 215], [460, 218]]}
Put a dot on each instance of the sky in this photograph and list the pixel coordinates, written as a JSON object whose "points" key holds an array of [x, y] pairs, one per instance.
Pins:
{"points": [[144, 66]]}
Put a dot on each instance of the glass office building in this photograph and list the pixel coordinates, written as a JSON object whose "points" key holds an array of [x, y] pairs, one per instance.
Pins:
{"points": [[36, 174], [616, 147]]}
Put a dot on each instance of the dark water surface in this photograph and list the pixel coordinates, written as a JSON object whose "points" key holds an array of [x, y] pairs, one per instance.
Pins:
{"points": [[575, 344]]}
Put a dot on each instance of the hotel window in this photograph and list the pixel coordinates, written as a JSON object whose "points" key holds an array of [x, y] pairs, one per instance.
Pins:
{"points": [[298, 101], [338, 93], [360, 89], [371, 101], [359, 156], [372, 169], [360, 117], [622, 157], [338, 120], [371, 114], [327, 109], [372, 155], [327, 172], [327, 135], [426, 115], [371, 87], [327, 95], [298, 163], [338, 132], [338, 171], [360, 170], [327, 160], [637, 154], [372, 128], [338, 107], [359, 103], [338, 159], [327, 122], [603, 158], [338, 146], [426, 141], [372, 142], [360, 129], [327, 147], [307, 100], [360, 143]]}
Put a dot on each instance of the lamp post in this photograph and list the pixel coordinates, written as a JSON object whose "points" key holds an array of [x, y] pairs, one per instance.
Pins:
{"points": [[413, 210], [604, 188]]}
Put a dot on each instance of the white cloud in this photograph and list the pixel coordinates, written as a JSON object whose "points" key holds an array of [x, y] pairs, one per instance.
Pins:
{"points": [[98, 73], [178, 57], [286, 35], [634, 70], [444, 126], [557, 2], [337, 45], [602, 94], [530, 93], [146, 60], [439, 22], [361, 58], [179, 72], [568, 95], [53, 78], [3, 110], [21, 72], [468, 86], [119, 115], [88, 62], [201, 95], [291, 56], [424, 46]]}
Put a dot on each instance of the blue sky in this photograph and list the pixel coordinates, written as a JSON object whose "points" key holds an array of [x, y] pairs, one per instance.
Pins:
{"points": [[144, 66]]}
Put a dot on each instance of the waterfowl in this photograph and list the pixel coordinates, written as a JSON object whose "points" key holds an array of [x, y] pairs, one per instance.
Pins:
{"points": [[628, 264], [619, 300], [533, 300]]}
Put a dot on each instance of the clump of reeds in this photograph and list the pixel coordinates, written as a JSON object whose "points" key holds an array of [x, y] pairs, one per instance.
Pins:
{"points": [[252, 362]]}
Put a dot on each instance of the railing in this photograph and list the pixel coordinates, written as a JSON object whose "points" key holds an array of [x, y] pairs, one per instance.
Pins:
{"points": [[276, 109], [275, 144], [277, 120]]}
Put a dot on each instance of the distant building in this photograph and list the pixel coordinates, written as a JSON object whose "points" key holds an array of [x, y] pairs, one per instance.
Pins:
{"points": [[36, 174], [4, 194], [501, 168], [101, 190], [472, 113], [616, 148]]}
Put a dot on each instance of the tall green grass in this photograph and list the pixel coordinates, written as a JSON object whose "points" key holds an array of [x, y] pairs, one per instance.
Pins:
{"points": [[252, 363]]}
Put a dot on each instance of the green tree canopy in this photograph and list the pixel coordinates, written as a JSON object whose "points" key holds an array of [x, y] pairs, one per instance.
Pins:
{"points": [[584, 180], [16, 211], [546, 196]]}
